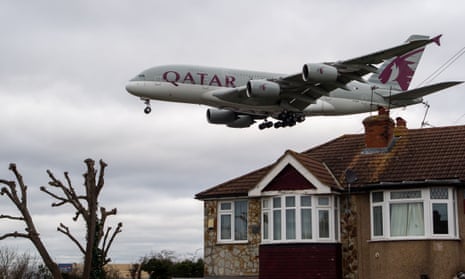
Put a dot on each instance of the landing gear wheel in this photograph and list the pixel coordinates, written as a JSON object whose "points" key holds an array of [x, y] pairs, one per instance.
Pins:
{"points": [[147, 110]]}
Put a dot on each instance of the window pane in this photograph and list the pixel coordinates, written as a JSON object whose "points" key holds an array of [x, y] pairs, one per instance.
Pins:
{"points": [[306, 223], [290, 201], [405, 195], [277, 202], [323, 217], [266, 203], [240, 220], [225, 206], [377, 196], [377, 220], [225, 226], [336, 224], [277, 225], [265, 225], [440, 218], [323, 201], [305, 201], [407, 219], [439, 193], [290, 224]]}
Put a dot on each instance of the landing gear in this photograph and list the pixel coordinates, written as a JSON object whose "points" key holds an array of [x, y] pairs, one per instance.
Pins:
{"points": [[286, 119], [147, 108], [265, 125]]}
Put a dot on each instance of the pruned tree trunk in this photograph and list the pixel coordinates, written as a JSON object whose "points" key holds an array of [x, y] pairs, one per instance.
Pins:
{"points": [[98, 240], [20, 201], [95, 257]]}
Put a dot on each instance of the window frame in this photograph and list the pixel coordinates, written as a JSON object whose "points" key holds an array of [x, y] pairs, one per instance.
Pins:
{"points": [[427, 202], [331, 210], [231, 212]]}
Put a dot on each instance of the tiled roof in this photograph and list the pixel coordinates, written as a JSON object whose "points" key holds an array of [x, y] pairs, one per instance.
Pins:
{"points": [[236, 187], [417, 155]]}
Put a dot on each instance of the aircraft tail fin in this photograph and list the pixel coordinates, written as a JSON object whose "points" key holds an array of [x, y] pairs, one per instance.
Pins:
{"points": [[397, 72]]}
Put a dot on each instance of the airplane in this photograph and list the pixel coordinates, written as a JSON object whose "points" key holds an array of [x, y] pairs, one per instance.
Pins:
{"points": [[239, 98]]}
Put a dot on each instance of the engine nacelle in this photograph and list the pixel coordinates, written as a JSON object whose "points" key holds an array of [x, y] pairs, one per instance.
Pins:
{"points": [[220, 116], [229, 118], [242, 121], [318, 72], [263, 89]]}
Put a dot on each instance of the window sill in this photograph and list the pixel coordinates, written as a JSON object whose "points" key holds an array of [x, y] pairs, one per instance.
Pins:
{"points": [[299, 241], [232, 242], [415, 239]]}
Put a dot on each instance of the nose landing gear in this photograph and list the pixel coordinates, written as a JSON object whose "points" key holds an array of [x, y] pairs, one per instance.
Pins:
{"points": [[147, 108]]}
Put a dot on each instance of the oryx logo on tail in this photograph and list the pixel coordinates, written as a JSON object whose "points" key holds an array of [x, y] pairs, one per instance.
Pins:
{"points": [[401, 69], [397, 73]]}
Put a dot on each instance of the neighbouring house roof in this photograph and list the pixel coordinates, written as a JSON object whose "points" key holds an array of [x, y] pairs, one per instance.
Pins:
{"points": [[416, 156]]}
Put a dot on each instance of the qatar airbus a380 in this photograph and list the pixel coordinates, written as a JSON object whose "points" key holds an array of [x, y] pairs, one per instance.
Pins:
{"points": [[239, 98]]}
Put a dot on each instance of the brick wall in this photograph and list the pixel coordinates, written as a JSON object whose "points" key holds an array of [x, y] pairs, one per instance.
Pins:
{"points": [[303, 260]]}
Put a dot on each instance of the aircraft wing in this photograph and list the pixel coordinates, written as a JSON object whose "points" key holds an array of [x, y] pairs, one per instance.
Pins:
{"points": [[299, 90]]}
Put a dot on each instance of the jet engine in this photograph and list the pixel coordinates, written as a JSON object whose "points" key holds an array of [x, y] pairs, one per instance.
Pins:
{"points": [[263, 89], [229, 118], [318, 72], [220, 116], [242, 121]]}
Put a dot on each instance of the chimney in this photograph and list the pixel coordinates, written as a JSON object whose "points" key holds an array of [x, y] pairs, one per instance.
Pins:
{"points": [[379, 130], [401, 127]]}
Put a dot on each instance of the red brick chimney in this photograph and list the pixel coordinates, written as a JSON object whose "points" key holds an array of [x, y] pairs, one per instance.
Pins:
{"points": [[401, 127], [379, 129]]}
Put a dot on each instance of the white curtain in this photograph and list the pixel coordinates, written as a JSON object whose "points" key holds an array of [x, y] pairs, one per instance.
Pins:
{"points": [[226, 226], [407, 219], [277, 224], [306, 215], [240, 220], [290, 224]]}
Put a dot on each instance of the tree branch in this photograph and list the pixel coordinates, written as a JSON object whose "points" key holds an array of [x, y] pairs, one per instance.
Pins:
{"points": [[15, 234], [68, 191], [53, 195], [11, 217], [65, 230], [20, 180], [107, 248], [101, 180]]}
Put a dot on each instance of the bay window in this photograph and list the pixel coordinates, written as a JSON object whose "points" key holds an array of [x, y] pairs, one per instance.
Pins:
{"points": [[413, 213], [300, 218], [232, 219]]}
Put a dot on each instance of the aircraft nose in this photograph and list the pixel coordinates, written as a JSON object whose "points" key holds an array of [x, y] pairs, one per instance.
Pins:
{"points": [[131, 87]]}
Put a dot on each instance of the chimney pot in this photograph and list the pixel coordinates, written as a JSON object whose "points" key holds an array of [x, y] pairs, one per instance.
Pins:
{"points": [[400, 122], [401, 127]]}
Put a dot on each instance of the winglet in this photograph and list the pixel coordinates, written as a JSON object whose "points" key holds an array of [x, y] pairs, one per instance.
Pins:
{"points": [[437, 39]]}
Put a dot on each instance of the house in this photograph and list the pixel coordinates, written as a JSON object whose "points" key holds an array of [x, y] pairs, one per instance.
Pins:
{"points": [[388, 203]]}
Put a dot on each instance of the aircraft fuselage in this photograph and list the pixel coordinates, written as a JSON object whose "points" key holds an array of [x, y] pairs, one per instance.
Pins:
{"points": [[195, 84]]}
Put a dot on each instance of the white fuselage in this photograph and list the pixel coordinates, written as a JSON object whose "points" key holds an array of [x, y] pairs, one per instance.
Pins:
{"points": [[197, 85]]}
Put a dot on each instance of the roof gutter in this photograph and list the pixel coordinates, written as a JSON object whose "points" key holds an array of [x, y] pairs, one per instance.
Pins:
{"points": [[407, 184]]}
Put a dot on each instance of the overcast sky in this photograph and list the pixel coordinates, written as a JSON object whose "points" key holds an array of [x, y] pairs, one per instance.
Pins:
{"points": [[64, 65]]}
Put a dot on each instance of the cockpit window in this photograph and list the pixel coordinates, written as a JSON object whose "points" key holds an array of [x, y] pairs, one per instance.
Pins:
{"points": [[139, 77]]}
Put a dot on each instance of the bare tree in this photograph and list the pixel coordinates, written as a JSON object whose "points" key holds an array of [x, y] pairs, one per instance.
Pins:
{"points": [[16, 266], [20, 201], [98, 239]]}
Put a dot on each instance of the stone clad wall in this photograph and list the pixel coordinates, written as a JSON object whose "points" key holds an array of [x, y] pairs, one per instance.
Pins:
{"points": [[231, 259]]}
